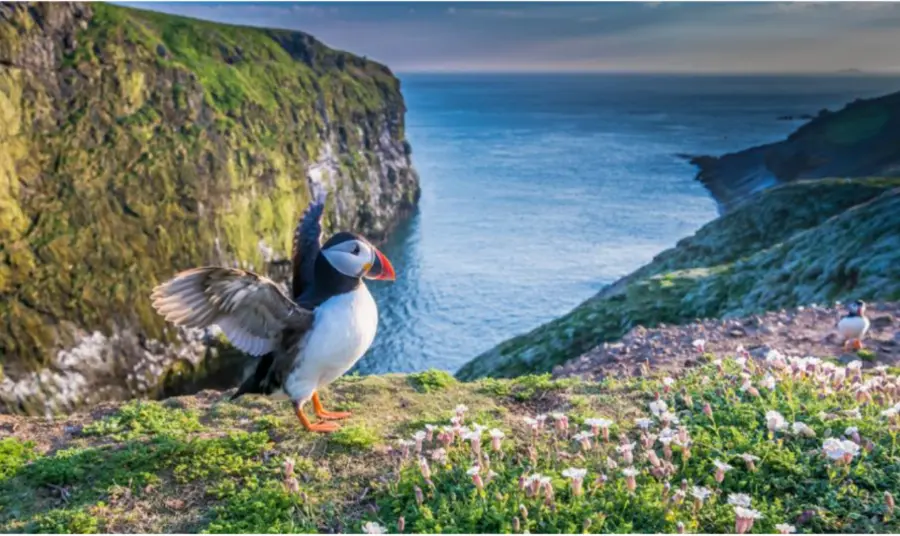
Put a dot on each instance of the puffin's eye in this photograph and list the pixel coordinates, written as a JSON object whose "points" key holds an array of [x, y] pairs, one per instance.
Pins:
{"points": [[356, 249]]}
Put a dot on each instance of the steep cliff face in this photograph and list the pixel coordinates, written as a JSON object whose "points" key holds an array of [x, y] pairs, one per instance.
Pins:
{"points": [[860, 140], [134, 144], [797, 244]]}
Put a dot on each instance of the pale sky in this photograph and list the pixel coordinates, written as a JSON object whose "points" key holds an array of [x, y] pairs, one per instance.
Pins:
{"points": [[615, 36]]}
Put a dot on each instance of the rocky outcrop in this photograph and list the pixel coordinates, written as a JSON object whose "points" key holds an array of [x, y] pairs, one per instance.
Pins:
{"points": [[134, 144], [860, 140], [797, 244]]}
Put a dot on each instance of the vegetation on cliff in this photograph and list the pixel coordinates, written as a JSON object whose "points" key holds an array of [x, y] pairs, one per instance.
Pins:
{"points": [[134, 144], [859, 140], [735, 444], [801, 243]]}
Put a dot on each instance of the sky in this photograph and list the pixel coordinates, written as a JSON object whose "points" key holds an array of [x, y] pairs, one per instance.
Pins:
{"points": [[775, 37]]}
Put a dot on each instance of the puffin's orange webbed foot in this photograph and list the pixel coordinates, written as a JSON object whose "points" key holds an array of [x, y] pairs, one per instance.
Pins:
{"points": [[857, 344], [323, 427], [323, 414]]}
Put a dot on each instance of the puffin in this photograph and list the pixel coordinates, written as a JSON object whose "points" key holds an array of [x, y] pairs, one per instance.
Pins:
{"points": [[304, 339], [854, 325]]}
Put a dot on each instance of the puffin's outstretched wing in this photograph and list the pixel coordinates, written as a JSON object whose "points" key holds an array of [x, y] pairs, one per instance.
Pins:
{"points": [[251, 309], [307, 241]]}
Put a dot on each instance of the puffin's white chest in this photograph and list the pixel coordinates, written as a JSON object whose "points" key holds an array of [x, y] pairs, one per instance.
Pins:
{"points": [[343, 329], [853, 327]]}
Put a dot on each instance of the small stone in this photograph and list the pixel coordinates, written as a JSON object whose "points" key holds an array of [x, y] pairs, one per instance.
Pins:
{"points": [[161, 50], [883, 321]]}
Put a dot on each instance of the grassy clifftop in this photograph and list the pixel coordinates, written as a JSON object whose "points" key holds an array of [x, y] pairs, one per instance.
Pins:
{"points": [[134, 144], [779, 441], [800, 243]]}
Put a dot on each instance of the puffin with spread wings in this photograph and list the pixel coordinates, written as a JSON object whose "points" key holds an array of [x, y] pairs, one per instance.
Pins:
{"points": [[305, 340]]}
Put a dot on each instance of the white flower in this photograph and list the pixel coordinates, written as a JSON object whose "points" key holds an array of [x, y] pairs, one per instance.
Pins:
{"points": [[740, 361], [739, 499], [644, 423], [668, 416], [854, 365], [668, 382], [768, 382], [658, 407], [746, 513], [630, 471], [749, 457], [701, 492], [474, 470], [851, 430], [699, 345], [600, 423], [495, 433], [840, 449], [574, 473], [775, 421], [419, 436], [462, 408], [852, 413], [722, 466], [800, 428], [784, 528], [373, 528]]}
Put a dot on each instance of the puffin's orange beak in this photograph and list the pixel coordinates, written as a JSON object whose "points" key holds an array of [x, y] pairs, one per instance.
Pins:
{"points": [[381, 269]]}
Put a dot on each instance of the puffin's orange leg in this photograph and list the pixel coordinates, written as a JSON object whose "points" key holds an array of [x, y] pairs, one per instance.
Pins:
{"points": [[322, 414], [857, 344], [317, 427]]}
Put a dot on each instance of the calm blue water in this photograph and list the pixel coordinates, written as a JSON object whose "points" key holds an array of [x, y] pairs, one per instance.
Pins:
{"points": [[539, 190]]}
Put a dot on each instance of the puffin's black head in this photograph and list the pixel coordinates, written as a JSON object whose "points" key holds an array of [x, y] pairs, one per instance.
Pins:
{"points": [[857, 308], [347, 258]]}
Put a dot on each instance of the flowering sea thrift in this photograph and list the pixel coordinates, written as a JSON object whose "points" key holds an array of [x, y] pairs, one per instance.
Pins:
{"points": [[577, 477], [721, 469], [744, 518], [840, 450]]}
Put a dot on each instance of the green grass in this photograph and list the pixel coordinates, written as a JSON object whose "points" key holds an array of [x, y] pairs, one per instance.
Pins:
{"points": [[220, 473]]}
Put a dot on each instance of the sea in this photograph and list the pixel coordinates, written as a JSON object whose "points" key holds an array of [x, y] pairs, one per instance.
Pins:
{"points": [[540, 189]]}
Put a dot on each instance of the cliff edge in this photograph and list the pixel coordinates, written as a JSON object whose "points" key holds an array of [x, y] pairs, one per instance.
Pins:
{"points": [[134, 144], [860, 140]]}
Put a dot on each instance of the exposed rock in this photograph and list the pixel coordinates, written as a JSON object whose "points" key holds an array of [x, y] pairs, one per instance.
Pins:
{"points": [[803, 339]]}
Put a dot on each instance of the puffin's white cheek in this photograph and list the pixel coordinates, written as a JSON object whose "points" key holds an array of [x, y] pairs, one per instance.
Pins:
{"points": [[346, 263]]}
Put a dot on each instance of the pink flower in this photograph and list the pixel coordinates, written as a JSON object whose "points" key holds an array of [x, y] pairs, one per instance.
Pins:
{"points": [[401, 524], [627, 452], [744, 518], [889, 502], [419, 437], [599, 424], [496, 437], [721, 469], [707, 410], [630, 482], [423, 467], [584, 439], [476, 477], [577, 477], [420, 497]]}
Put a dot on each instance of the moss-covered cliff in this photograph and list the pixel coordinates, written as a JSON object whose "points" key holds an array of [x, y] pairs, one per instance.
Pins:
{"points": [[134, 144], [800, 243], [861, 139]]}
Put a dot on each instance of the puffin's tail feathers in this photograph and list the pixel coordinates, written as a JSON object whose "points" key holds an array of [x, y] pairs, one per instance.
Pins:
{"points": [[260, 382]]}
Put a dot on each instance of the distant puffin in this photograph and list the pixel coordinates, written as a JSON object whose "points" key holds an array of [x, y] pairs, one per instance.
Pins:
{"points": [[307, 339], [854, 325]]}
